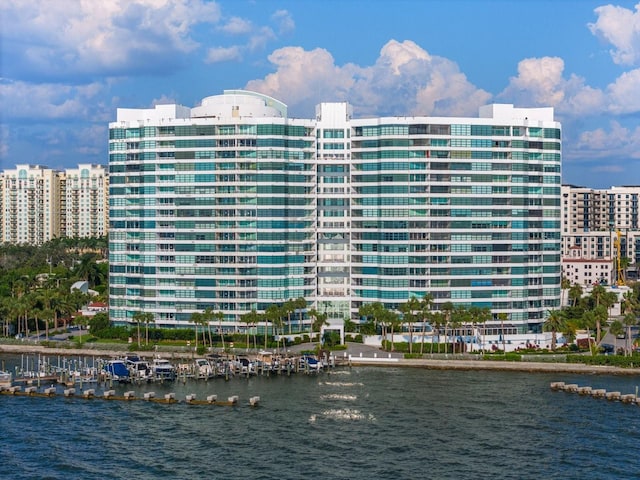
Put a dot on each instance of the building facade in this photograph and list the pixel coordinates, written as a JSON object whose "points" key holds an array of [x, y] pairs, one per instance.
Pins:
{"points": [[234, 206], [85, 202], [600, 225], [31, 199], [38, 204]]}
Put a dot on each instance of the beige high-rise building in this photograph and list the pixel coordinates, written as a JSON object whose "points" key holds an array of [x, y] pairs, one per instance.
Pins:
{"points": [[30, 205], [85, 201], [38, 204]]}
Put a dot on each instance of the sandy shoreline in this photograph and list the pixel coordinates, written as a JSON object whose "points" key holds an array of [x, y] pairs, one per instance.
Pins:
{"points": [[443, 364]]}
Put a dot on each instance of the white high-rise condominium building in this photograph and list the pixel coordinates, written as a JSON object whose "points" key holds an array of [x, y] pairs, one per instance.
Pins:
{"points": [[30, 204], [234, 206], [85, 201], [38, 204]]}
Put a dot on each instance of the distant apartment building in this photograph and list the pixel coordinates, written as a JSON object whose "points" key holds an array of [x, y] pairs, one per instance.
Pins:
{"points": [[38, 204], [233, 206], [86, 201], [598, 225], [31, 199]]}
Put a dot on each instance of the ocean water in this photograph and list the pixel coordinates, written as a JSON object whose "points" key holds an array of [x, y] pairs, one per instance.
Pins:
{"points": [[353, 423]]}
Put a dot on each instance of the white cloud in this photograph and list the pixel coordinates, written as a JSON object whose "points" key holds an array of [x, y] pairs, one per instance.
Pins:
{"points": [[405, 79], [618, 141], [540, 82], [284, 20], [619, 27], [260, 38], [21, 100], [76, 37], [222, 54], [237, 26], [624, 93]]}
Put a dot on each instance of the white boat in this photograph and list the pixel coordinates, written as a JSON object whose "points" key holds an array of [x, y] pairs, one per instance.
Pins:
{"points": [[5, 378], [163, 369], [203, 368], [139, 370]]}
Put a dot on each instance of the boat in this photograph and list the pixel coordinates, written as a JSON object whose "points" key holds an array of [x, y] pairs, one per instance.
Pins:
{"points": [[117, 370], [6, 379], [163, 369], [139, 370], [203, 368]]}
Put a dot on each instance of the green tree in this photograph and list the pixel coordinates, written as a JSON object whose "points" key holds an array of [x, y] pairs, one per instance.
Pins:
{"points": [[373, 312], [424, 314], [575, 294], [410, 312], [565, 284], [392, 320], [300, 304], [554, 323], [196, 319], [250, 318], [319, 320], [503, 317]]}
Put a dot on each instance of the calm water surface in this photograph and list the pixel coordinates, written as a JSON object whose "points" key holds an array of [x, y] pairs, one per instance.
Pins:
{"points": [[357, 423]]}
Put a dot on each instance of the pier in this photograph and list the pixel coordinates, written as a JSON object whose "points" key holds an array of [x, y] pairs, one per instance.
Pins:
{"points": [[110, 395], [633, 398]]}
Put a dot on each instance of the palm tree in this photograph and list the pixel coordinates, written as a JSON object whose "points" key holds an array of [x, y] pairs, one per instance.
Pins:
{"points": [[392, 319], [410, 311], [565, 284], [249, 318], [424, 315], [601, 315], [207, 318], [437, 321], [320, 319], [503, 316], [140, 317], [288, 308], [273, 314], [589, 322], [300, 304], [554, 323], [220, 317], [575, 293], [373, 311], [447, 311], [629, 301], [597, 295], [196, 319]]}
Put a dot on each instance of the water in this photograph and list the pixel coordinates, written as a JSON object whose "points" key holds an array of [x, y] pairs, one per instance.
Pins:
{"points": [[358, 423]]}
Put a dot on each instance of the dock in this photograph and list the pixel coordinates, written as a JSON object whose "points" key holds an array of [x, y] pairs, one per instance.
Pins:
{"points": [[129, 396], [586, 390]]}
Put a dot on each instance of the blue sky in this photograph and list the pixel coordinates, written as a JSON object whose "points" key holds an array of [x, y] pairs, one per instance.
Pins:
{"points": [[66, 65]]}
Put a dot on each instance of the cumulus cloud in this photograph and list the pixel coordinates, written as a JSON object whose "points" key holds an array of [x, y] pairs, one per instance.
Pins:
{"points": [[541, 82], [284, 20], [624, 93], [619, 27], [617, 141], [63, 38], [405, 79], [223, 54], [47, 101], [237, 26]]}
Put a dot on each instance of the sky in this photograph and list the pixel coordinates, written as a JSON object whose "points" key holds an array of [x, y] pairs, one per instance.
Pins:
{"points": [[67, 65]]}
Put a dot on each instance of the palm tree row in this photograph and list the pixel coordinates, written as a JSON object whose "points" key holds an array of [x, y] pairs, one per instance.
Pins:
{"points": [[448, 318]]}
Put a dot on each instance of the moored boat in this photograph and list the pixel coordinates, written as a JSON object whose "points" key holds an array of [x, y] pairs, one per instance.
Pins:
{"points": [[163, 369]]}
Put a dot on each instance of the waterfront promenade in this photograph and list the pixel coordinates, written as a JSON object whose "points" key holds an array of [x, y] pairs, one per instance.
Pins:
{"points": [[358, 354]]}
